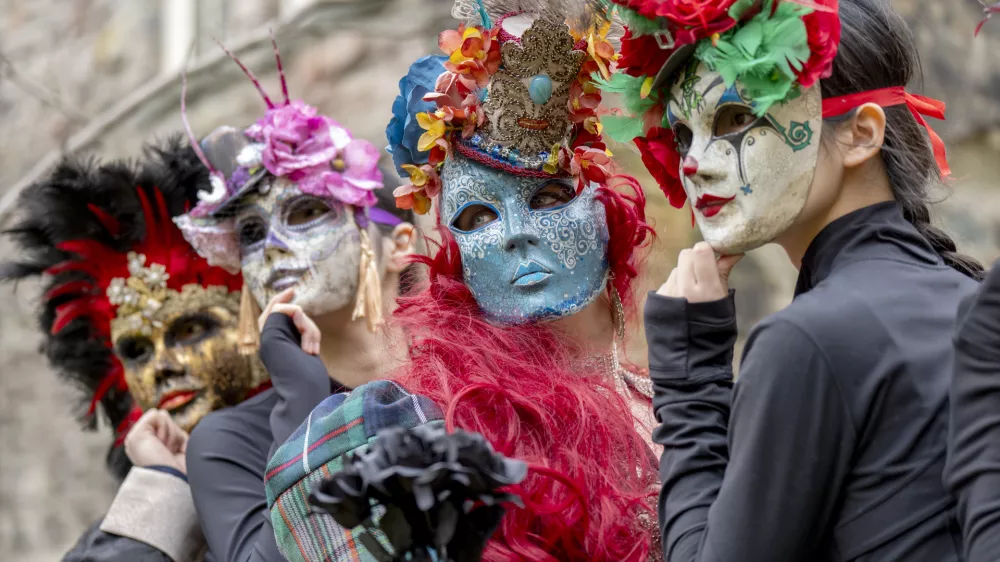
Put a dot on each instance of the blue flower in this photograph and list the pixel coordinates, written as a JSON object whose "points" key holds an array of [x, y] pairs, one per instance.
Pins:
{"points": [[403, 131]]}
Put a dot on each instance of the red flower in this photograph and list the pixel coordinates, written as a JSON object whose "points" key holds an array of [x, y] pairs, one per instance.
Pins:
{"points": [[692, 21], [659, 154], [823, 30], [702, 14], [642, 55]]}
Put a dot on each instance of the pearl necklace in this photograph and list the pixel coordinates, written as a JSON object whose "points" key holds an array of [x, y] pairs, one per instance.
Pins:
{"points": [[624, 378]]}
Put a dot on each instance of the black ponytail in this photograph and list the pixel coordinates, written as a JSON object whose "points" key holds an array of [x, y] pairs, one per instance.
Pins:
{"points": [[877, 51]]}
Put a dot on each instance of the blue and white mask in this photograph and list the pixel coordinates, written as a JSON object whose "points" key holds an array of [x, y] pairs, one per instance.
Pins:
{"points": [[532, 249]]}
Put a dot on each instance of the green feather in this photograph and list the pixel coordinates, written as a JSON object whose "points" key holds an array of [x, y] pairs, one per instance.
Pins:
{"points": [[763, 53], [630, 89], [622, 128]]}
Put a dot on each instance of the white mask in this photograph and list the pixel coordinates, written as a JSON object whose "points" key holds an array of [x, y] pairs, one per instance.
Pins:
{"points": [[746, 178], [291, 239]]}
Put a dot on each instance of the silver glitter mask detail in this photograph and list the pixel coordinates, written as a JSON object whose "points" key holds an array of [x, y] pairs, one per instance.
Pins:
{"points": [[291, 239]]}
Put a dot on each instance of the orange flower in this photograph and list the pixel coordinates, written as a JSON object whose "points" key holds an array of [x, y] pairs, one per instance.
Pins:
{"points": [[424, 178], [473, 53], [409, 197], [601, 50]]}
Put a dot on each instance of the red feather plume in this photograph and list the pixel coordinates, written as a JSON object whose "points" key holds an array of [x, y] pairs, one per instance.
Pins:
{"points": [[87, 298]]}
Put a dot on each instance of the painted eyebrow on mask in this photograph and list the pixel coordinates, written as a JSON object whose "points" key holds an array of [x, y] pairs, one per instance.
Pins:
{"points": [[718, 81], [672, 119]]}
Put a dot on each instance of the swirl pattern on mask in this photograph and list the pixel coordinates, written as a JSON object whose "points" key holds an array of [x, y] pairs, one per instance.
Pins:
{"points": [[568, 242]]}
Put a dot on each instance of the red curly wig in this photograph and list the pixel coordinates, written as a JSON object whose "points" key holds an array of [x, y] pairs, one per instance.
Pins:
{"points": [[589, 490]]}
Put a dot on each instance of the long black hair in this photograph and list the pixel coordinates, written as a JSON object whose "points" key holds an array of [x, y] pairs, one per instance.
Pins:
{"points": [[878, 51]]}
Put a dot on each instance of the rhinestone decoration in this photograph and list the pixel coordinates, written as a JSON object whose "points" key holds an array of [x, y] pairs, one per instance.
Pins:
{"points": [[139, 297]]}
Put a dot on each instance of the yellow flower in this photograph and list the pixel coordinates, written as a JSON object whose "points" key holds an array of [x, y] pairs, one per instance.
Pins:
{"points": [[647, 87], [435, 128], [551, 166], [418, 177], [593, 126]]}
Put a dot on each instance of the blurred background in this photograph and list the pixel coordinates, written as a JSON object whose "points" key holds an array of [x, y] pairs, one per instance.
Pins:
{"points": [[101, 76]]}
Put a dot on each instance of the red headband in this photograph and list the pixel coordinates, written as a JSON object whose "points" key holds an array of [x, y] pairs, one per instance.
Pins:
{"points": [[896, 95]]}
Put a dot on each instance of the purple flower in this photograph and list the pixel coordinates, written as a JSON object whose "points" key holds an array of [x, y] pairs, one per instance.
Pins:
{"points": [[296, 139], [318, 154]]}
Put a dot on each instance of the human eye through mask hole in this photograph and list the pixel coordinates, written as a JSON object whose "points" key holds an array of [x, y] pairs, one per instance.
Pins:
{"points": [[135, 350], [306, 211], [683, 137], [731, 119], [252, 230], [552, 196], [190, 330], [473, 217]]}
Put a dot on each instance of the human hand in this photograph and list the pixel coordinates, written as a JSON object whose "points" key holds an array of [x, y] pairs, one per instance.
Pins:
{"points": [[281, 304], [699, 276], [156, 439]]}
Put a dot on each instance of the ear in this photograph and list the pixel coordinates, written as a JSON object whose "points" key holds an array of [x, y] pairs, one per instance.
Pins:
{"points": [[865, 135], [402, 244]]}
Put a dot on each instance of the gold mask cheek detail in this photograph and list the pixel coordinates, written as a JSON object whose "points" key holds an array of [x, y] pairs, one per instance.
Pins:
{"points": [[213, 362]]}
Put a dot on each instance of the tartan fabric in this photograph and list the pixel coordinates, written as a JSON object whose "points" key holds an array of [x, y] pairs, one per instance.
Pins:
{"points": [[340, 424]]}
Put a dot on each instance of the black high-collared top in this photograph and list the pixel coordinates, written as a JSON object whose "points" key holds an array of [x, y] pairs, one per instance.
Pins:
{"points": [[973, 469], [831, 445]]}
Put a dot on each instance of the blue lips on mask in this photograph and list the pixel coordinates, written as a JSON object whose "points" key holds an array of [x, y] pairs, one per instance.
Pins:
{"points": [[524, 261]]}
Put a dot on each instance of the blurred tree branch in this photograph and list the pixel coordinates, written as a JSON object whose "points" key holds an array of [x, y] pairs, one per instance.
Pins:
{"points": [[40, 92], [318, 18]]}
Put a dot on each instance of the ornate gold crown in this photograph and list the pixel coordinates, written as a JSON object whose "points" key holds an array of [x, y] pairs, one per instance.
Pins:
{"points": [[527, 105]]}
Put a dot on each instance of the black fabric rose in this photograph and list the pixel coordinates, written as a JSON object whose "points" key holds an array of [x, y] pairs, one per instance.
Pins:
{"points": [[440, 491]]}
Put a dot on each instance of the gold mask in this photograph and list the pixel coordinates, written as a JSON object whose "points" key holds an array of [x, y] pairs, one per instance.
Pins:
{"points": [[179, 348]]}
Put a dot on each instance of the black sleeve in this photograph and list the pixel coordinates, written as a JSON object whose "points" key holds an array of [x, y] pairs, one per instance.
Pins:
{"points": [[97, 546], [226, 462], [226, 459], [972, 472], [749, 472], [300, 379]]}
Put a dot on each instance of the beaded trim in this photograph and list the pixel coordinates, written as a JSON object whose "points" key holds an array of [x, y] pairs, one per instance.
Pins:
{"points": [[493, 157]]}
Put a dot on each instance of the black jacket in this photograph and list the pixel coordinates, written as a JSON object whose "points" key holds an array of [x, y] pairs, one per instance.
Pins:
{"points": [[831, 444], [973, 469], [229, 449]]}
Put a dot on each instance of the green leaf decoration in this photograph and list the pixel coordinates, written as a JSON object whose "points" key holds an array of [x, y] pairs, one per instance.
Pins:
{"points": [[622, 128], [764, 53], [639, 25], [737, 10], [629, 88]]}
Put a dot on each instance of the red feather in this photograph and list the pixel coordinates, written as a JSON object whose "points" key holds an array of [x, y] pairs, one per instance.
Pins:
{"points": [[82, 287], [67, 313], [162, 244], [109, 222]]}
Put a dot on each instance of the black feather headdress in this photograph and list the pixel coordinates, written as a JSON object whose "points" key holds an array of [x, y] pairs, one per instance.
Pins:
{"points": [[76, 228]]}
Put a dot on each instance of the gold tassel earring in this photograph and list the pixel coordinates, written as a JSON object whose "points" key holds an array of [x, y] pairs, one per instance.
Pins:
{"points": [[617, 312], [248, 332], [368, 302]]}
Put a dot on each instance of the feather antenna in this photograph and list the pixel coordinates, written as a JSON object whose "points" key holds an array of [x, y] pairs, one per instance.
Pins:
{"points": [[281, 69], [249, 73]]}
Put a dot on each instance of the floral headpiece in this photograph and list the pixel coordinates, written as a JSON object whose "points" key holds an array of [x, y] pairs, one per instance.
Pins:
{"points": [[774, 48], [526, 105], [292, 140]]}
